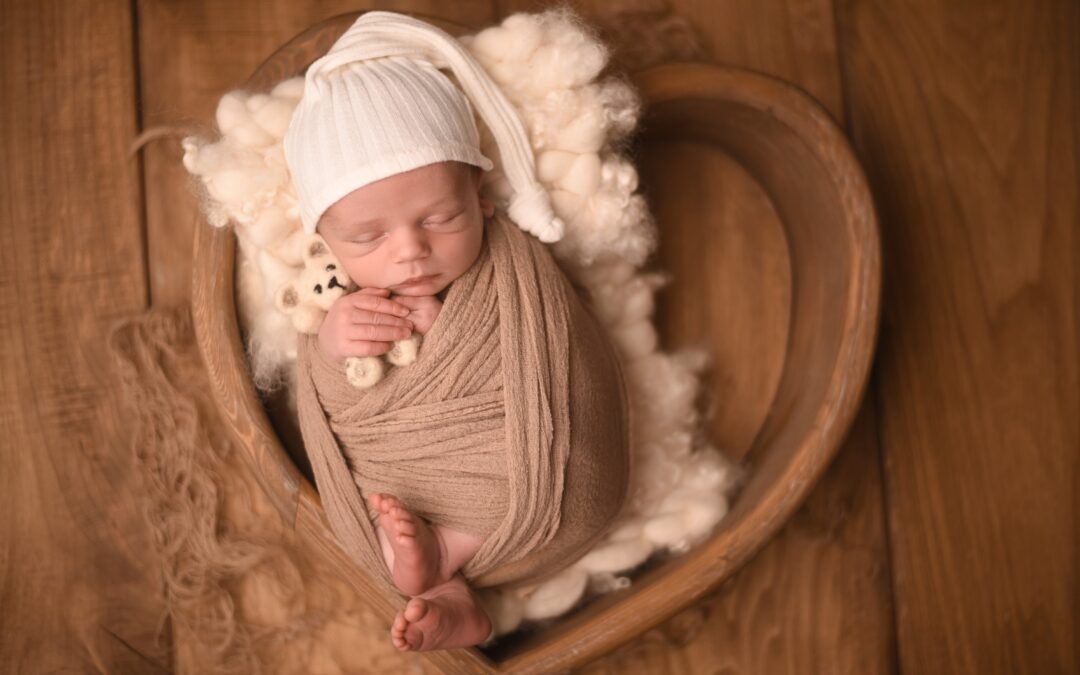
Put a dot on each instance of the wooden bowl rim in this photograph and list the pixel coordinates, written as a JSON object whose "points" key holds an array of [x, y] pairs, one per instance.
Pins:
{"points": [[698, 571]]}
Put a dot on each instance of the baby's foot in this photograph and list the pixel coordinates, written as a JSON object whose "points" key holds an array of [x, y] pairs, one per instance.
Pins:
{"points": [[445, 617], [416, 548]]}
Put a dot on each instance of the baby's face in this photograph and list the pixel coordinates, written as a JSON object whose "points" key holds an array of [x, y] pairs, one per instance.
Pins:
{"points": [[426, 222]]}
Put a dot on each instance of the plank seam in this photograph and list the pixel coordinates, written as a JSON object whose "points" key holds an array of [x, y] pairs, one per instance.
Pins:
{"points": [[140, 171]]}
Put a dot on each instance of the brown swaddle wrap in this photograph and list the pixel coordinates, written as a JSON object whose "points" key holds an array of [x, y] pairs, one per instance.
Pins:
{"points": [[512, 424]]}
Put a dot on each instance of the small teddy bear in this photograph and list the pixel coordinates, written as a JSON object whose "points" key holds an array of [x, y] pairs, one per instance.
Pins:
{"points": [[307, 299]]}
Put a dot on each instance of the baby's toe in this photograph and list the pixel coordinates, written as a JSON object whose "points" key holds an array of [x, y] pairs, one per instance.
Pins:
{"points": [[397, 631], [415, 610], [383, 502], [414, 637]]}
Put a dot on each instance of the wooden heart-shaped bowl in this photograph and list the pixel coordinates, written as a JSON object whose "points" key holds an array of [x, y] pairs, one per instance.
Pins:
{"points": [[795, 158]]}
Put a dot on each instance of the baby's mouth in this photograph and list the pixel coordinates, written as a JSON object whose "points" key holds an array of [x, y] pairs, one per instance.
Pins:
{"points": [[417, 280]]}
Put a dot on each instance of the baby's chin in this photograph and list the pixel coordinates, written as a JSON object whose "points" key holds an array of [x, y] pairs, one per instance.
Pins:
{"points": [[418, 290]]}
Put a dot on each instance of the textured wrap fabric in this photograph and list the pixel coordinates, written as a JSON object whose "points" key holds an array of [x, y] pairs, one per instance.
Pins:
{"points": [[478, 434]]}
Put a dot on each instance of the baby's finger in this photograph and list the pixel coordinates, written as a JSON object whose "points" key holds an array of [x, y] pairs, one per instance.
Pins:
{"points": [[374, 290], [366, 348], [372, 332], [363, 316], [410, 301], [374, 303]]}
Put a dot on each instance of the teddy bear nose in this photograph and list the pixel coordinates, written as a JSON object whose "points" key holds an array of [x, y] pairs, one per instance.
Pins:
{"points": [[334, 282]]}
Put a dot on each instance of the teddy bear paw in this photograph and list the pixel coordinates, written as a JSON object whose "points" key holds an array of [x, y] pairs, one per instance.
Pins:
{"points": [[404, 351], [363, 371]]}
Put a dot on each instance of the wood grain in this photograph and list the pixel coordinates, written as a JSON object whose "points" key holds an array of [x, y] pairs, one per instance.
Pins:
{"points": [[520, 662], [783, 612], [965, 115], [78, 589], [722, 242], [794, 40], [788, 143]]}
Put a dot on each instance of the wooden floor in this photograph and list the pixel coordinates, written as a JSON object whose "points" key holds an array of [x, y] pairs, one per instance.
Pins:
{"points": [[942, 540]]}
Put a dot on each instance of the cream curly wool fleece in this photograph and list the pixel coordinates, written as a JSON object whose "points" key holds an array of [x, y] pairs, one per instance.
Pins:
{"points": [[376, 105]]}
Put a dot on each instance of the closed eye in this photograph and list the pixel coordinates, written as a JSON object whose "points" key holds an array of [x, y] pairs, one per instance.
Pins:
{"points": [[441, 222], [367, 239]]}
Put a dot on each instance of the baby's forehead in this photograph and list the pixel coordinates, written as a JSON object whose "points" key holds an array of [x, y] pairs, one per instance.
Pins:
{"points": [[406, 194]]}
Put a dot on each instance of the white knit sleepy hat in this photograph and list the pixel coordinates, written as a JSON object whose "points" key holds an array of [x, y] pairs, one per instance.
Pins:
{"points": [[376, 105]]}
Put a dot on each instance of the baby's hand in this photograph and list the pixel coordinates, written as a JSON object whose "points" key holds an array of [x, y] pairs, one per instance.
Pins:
{"points": [[364, 323], [424, 310]]}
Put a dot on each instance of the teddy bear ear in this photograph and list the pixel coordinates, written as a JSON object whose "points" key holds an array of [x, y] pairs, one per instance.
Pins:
{"points": [[315, 248], [287, 298]]}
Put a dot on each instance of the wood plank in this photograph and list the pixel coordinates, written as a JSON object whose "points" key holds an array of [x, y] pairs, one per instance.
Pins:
{"points": [[791, 39], [965, 115], [804, 604], [816, 599], [77, 585], [190, 54]]}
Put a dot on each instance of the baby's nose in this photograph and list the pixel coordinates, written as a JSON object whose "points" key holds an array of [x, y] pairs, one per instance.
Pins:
{"points": [[412, 244]]}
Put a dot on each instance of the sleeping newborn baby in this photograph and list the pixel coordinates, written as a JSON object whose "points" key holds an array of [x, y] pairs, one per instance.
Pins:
{"points": [[403, 240], [406, 236], [502, 454]]}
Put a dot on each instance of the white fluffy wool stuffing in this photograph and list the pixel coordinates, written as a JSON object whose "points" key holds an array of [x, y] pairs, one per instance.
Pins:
{"points": [[548, 65]]}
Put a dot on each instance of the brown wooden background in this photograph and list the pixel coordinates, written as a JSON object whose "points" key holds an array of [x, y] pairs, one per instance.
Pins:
{"points": [[942, 540]]}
